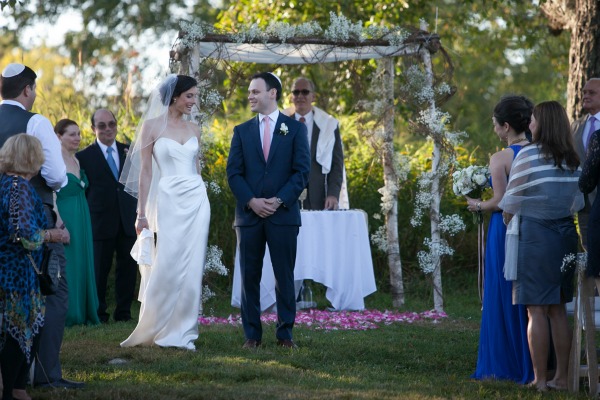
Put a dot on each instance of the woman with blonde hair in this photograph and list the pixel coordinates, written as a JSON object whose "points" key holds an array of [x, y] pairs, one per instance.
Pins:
{"points": [[22, 233]]}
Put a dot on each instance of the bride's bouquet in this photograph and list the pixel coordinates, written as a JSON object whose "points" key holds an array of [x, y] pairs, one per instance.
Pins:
{"points": [[470, 181]]}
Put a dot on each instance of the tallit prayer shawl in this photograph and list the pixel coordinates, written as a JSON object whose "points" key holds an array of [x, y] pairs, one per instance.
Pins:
{"points": [[537, 189], [327, 125], [324, 154]]}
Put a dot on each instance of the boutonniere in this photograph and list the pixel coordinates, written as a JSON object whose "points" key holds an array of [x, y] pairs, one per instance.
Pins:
{"points": [[283, 129]]}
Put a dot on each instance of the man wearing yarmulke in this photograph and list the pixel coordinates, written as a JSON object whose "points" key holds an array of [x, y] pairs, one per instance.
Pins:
{"points": [[18, 91], [267, 169]]}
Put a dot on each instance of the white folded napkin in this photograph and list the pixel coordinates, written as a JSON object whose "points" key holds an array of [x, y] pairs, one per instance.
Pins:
{"points": [[143, 248], [143, 252]]}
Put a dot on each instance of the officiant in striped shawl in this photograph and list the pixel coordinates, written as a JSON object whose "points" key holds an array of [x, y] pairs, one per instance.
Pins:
{"points": [[541, 199]]}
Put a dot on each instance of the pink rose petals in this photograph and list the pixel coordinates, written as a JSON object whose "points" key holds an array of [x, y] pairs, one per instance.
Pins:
{"points": [[338, 320]]}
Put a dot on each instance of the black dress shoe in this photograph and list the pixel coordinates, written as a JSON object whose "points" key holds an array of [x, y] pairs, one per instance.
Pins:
{"points": [[251, 344], [287, 343], [61, 383]]}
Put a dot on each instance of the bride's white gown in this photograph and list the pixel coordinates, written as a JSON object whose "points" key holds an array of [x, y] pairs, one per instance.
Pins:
{"points": [[171, 300]]}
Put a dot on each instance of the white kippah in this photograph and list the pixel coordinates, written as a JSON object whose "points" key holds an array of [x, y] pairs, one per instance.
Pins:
{"points": [[13, 69], [276, 77]]}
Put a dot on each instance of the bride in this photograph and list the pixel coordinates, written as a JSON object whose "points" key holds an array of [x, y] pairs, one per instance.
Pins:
{"points": [[162, 171]]}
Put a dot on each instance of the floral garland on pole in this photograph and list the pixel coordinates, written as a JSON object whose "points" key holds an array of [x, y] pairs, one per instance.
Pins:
{"points": [[421, 89], [396, 168], [341, 40]]}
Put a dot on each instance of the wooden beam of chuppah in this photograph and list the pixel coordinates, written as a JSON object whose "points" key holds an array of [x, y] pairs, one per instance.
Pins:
{"points": [[307, 50]]}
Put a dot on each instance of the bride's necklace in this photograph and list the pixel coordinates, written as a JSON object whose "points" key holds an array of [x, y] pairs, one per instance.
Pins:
{"points": [[517, 140]]}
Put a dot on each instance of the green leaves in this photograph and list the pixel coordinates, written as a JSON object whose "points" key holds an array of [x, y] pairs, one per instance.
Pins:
{"points": [[9, 3]]}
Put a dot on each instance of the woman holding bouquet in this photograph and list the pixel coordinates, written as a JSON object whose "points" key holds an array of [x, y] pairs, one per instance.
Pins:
{"points": [[541, 198], [503, 347]]}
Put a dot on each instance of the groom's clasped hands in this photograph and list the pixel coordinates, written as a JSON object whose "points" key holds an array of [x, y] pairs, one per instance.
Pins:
{"points": [[264, 207]]}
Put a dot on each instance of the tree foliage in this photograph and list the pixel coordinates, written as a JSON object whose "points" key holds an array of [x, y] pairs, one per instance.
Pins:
{"points": [[502, 50], [581, 18], [497, 47], [109, 45]]}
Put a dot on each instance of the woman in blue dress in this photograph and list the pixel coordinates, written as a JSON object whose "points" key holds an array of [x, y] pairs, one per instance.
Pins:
{"points": [[503, 348]]}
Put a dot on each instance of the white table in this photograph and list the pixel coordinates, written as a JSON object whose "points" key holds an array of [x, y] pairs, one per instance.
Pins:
{"points": [[333, 249]]}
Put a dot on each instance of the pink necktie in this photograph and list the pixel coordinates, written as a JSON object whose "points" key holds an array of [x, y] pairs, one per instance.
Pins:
{"points": [[302, 119], [266, 138]]}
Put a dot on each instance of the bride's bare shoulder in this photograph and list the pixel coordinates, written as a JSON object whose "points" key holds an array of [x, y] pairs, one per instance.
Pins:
{"points": [[152, 127], [194, 127]]}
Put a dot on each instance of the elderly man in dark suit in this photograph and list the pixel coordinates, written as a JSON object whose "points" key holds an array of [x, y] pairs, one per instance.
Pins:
{"points": [[582, 131], [326, 190], [112, 211], [18, 90], [267, 169]]}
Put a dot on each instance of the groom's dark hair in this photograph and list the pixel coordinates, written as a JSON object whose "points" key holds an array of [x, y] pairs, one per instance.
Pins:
{"points": [[271, 80]]}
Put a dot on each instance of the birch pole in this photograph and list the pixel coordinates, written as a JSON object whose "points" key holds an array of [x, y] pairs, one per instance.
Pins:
{"points": [[390, 180], [434, 211]]}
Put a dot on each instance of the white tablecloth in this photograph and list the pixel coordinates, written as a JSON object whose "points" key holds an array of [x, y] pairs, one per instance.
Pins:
{"points": [[333, 249]]}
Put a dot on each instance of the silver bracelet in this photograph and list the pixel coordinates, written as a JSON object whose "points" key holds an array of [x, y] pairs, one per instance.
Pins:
{"points": [[141, 218]]}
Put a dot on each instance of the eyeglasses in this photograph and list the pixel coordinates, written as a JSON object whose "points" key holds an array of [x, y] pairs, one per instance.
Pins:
{"points": [[102, 126], [305, 92]]}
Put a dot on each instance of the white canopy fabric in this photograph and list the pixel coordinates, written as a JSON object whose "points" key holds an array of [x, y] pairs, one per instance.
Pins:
{"points": [[275, 53]]}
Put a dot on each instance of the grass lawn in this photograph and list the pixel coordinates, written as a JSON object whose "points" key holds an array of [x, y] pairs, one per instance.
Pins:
{"points": [[423, 360]]}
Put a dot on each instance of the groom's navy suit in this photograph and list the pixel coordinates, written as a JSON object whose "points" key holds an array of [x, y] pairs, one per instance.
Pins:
{"points": [[284, 175]]}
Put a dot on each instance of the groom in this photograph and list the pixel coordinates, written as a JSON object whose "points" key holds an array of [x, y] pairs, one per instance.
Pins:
{"points": [[267, 169]]}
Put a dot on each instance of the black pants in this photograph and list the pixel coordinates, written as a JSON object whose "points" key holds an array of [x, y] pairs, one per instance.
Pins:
{"points": [[126, 271]]}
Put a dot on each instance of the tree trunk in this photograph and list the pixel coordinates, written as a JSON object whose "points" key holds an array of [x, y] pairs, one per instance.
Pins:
{"points": [[582, 19], [391, 186], [436, 239], [436, 191], [584, 55]]}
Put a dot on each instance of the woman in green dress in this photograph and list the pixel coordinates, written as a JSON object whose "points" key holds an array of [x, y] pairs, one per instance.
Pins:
{"points": [[74, 211]]}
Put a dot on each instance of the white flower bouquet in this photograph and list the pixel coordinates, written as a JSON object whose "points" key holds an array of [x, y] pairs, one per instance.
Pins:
{"points": [[470, 181]]}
